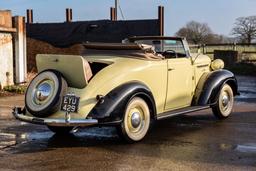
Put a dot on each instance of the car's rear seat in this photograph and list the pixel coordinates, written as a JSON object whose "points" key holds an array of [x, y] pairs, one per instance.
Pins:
{"points": [[87, 70]]}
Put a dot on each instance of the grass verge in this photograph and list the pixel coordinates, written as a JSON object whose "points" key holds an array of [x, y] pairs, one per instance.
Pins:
{"points": [[13, 90]]}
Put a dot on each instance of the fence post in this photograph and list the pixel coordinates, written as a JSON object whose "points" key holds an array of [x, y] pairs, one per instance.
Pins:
{"points": [[198, 48], [69, 14], [112, 14], [20, 56], [204, 48], [29, 16], [234, 47], [161, 19]]}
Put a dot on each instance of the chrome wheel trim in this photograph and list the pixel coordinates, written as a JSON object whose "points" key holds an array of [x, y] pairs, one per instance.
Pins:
{"points": [[31, 101], [226, 101], [43, 92], [137, 119]]}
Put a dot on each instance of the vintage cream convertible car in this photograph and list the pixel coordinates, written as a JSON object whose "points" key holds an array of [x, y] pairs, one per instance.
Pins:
{"points": [[127, 85]]}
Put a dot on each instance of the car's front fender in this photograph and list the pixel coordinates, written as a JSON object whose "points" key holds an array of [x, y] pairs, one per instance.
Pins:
{"points": [[210, 85]]}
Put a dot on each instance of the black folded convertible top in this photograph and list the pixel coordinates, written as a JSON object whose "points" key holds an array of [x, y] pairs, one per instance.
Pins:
{"points": [[133, 50], [114, 46]]}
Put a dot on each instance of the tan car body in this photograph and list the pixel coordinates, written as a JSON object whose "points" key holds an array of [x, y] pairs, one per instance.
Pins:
{"points": [[154, 74], [167, 86]]}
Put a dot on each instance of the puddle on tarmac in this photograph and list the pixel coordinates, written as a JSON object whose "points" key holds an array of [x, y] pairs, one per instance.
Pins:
{"points": [[80, 133], [97, 132], [36, 136], [7, 140], [226, 147], [45, 138], [243, 148], [247, 88], [246, 96], [193, 125], [246, 148]]}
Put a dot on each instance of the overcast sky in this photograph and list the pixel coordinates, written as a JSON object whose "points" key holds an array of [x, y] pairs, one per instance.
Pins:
{"points": [[219, 14]]}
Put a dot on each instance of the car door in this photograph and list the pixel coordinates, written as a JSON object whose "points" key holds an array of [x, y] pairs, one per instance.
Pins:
{"points": [[180, 83]]}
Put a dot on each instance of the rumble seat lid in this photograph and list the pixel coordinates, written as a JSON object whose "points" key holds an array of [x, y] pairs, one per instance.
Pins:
{"points": [[75, 69]]}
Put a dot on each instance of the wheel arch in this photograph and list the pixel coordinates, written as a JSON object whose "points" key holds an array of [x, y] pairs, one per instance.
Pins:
{"points": [[112, 109], [233, 84], [150, 102], [210, 85]]}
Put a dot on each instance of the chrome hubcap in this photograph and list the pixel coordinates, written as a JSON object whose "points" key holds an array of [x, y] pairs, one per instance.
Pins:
{"points": [[135, 119], [225, 100], [43, 91]]}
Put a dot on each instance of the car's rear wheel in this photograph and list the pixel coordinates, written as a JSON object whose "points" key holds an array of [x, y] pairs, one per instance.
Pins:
{"points": [[136, 120], [43, 96], [225, 102], [60, 130]]}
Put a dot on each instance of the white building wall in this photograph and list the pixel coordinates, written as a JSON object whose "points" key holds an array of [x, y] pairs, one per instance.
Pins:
{"points": [[20, 50], [13, 61], [6, 59]]}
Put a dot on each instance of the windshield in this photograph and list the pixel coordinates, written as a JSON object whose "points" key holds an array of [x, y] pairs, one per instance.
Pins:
{"points": [[162, 46]]}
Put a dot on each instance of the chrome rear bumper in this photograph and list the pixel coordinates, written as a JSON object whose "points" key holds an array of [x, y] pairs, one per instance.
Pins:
{"points": [[19, 114]]}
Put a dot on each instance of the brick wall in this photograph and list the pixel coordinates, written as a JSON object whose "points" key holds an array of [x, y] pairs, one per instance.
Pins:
{"points": [[5, 18]]}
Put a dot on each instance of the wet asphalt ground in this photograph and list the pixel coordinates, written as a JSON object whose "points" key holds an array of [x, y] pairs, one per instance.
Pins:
{"points": [[194, 141]]}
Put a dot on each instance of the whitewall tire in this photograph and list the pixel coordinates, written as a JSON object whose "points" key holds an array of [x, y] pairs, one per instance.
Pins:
{"points": [[225, 103], [44, 93], [136, 120]]}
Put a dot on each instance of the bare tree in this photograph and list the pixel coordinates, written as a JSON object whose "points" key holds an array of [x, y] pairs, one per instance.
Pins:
{"points": [[219, 39], [245, 29], [197, 33]]}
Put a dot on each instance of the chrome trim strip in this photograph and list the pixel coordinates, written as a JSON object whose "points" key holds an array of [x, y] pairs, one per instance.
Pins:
{"points": [[53, 122], [180, 112], [201, 66]]}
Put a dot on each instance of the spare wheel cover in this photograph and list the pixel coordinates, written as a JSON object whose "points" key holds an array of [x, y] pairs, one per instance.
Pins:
{"points": [[44, 93]]}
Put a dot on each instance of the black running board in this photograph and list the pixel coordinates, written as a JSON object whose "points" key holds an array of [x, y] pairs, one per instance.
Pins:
{"points": [[181, 111]]}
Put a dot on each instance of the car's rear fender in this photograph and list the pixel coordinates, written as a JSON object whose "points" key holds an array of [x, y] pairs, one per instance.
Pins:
{"points": [[112, 106], [210, 85]]}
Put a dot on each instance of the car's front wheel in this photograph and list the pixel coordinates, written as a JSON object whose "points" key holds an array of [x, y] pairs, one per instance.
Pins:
{"points": [[225, 102], [60, 130], [136, 121]]}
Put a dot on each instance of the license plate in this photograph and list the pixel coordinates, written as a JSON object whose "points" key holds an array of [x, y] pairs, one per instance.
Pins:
{"points": [[70, 103]]}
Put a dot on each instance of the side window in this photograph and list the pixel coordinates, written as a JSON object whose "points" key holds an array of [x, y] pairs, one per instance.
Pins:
{"points": [[175, 46]]}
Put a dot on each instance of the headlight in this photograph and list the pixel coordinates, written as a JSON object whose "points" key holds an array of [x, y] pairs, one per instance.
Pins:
{"points": [[217, 64]]}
